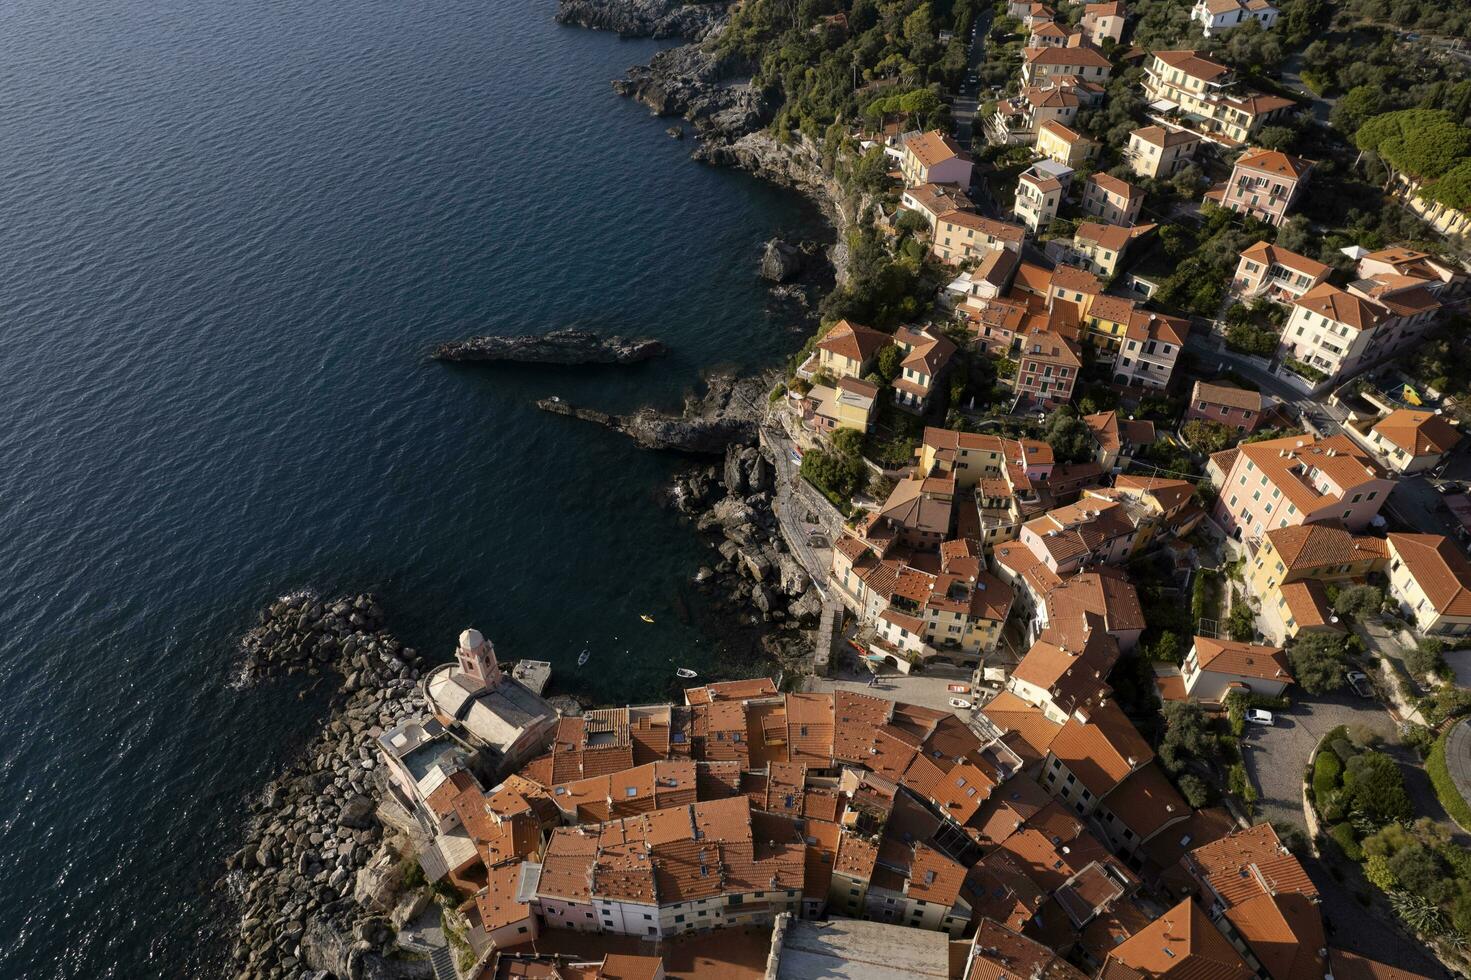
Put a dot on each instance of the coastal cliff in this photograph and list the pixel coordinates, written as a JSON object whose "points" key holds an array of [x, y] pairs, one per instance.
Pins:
{"points": [[643, 18], [568, 346]]}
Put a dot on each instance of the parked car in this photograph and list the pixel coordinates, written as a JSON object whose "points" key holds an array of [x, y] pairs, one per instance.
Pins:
{"points": [[1258, 716], [959, 703], [1359, 681]]}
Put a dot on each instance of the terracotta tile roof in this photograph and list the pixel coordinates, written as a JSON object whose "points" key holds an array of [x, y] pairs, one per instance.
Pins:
{"points": [[1149, 325], [1340, 306], [1248, 863], [1074, 279], [1182, 944], [1418, 433], [1242, 659], [998, 888], [1114, 309], [1351, 966], [1103, 750], [1274, 162], [1000, 230], [717, 780], [933, 877], [1104, 425], [1113, 185], [1001, 954], [1286, 934], [856, 857], [1307, 602], [1308, 546], [1268, 254], [496, 902], [1050, 97], [1078, 57], [1055, 128], [623, 966], [1159, 136], [1199, 828], [928, 353], [933, 147], [441, 800], [1170, 493], [1011, 714], [1194, 64], [1146, 801], [1288, 462], [1113, 237], [810, 728], [566, 870], [1093, 889], [1439, 568], [1226, 395], [853, 341], [755, 687]]}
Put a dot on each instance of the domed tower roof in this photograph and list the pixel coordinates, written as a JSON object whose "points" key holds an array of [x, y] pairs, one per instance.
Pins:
{"points": [[471, 640]]}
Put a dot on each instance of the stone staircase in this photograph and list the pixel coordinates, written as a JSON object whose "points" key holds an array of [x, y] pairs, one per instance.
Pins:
{"points": [[443, 962]]}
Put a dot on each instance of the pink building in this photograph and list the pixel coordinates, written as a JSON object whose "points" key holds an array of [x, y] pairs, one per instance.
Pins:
{"points": [[1297, 480], [1265, 184], [1235, 408], [1265, 269]]}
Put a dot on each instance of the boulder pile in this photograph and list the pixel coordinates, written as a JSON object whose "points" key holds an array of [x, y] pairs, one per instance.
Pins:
{"points": [[319, 877]]}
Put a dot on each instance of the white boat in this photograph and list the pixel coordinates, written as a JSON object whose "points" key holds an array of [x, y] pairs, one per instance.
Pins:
{"points": [[685, 672], [582, 657]]}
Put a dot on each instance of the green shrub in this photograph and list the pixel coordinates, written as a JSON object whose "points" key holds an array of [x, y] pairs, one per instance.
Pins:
{"points": [[1343, 748], [1445, 787], [1327, 773], [1418, 737], [1348, 842], [1239, 784]]}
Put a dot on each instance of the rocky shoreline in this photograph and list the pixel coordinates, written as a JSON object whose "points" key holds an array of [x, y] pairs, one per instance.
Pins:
{"points": [[731, 504], [323, 877], [727, 413], [319, 876], [568, 346], [643, 18]]}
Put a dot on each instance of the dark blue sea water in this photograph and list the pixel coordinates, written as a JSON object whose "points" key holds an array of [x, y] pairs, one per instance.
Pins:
{"points": [[228, 233]]}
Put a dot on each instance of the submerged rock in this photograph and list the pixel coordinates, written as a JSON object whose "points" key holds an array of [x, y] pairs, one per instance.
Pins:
{"points": [[558, 347]]}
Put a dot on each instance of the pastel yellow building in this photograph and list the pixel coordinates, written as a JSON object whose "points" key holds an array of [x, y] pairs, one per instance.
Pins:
{"points": [[1310, 555], [1431, 581], [1107, 321], [848, 349], [1067, 146]]}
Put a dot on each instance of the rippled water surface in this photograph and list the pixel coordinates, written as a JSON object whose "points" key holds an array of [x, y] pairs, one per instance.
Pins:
{"points": [[228, 234]]}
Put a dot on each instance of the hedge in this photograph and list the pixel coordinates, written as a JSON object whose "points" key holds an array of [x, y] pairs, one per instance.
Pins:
{"points": [[1445, 787], [1327, 771], [1343, 836]]}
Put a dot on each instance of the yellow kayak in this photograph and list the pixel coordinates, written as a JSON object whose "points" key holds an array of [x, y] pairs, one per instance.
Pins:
{"points": [[646, 618]]}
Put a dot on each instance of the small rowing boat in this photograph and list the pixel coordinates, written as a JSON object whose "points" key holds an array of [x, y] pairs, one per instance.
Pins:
{"points": [[685, 672], [647, 618], [582, 657]]}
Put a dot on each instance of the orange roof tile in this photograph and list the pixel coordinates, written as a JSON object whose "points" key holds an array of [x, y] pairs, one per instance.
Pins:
{"points": [[1439, 568], [1182, 944]]}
